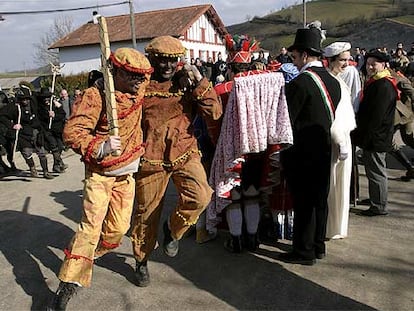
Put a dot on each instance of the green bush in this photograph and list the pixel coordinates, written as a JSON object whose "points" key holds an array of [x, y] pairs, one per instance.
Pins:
{"points": [[70, 83]]}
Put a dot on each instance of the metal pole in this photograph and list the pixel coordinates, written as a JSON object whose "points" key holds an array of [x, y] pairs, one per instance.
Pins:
{"points": [[132, 17], [304, 13]]}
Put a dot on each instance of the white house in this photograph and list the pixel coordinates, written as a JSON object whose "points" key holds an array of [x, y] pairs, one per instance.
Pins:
{"points": [[198, 27]]}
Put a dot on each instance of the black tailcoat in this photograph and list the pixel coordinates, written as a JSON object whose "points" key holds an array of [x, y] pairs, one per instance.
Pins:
{"points": [[307, 162]]}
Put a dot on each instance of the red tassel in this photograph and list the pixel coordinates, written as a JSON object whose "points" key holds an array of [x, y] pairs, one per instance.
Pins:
{"points": [[245, 46], [229, 42]]}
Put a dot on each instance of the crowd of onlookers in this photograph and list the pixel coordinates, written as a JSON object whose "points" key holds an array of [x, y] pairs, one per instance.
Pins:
{"points": [[48, 128], [400, 60]]}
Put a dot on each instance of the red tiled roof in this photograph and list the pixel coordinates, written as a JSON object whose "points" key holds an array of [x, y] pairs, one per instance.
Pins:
{"points": [[148, 25]]}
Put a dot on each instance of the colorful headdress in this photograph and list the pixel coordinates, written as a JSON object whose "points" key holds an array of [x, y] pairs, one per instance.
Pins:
{"points": [[131, 60], [240, 48], [165, 46]]}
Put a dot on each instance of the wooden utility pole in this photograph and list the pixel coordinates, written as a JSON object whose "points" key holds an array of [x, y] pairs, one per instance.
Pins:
{"points": [[132, 18], [304, 13]]}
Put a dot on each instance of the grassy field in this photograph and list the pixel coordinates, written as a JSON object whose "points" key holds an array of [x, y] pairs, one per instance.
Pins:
{"points": [[340, 11], [408, 19]]}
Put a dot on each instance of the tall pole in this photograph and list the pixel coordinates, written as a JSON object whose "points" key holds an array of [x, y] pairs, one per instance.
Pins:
{"points": [[132, 18], [304, 13]]}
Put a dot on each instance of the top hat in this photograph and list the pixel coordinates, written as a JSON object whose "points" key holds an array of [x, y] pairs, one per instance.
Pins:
{"points": [[307, 39], [45, 92]]}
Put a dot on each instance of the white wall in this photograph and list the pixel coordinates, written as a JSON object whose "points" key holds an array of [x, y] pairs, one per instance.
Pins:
{"points": [[194, 38], [196, 46], [86, 58]]}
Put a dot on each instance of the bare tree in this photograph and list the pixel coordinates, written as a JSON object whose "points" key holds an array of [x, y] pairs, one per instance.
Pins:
{"points": [[62, 26]]}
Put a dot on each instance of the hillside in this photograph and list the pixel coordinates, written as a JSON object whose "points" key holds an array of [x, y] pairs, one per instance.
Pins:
{"points": [[365, 23]]}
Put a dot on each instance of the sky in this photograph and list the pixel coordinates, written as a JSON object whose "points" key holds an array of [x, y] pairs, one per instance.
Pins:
{"points": [[19, 33]]}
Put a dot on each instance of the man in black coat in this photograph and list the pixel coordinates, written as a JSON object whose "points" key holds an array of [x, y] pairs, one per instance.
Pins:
{"points": [[24, 119], [375, 128], [312, 98], [52, 118]]}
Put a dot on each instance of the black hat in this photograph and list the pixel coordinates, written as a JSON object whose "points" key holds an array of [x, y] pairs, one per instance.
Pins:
{"points": [[380, 56], [307, 39], [45, 92], [23, 93], [93, 76]]}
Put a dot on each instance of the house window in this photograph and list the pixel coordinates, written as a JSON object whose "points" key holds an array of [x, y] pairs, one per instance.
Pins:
{"points": [[203, 34], [191, 53], [214, 56]]}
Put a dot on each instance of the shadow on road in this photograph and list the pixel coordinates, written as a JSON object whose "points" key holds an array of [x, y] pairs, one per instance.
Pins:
{"points": [[71, 201], [25, 240]]}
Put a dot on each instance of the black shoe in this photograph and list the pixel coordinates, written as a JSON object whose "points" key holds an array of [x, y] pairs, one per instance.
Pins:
{"points": [[371, 212], [64, 292], [320, 255], [14, 169], [251, 242], [33, 172], [364, 202], [47, 175], [170, 245], [58, 169], [142, 274], [408, 175], [296, 259], [233, 244]]}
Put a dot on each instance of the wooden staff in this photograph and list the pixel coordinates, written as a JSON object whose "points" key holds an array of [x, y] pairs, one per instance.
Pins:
{"points": [[55, 72], [16, 139], [109, 88]]}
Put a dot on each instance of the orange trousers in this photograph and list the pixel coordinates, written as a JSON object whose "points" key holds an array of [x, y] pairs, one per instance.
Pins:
{"points": [[194, 195], [107, 208]]}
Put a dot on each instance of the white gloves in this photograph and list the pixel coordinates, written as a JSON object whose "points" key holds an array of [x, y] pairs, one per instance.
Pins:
{"points": [[193, 73], [191, 76], [343, 153], [112, 144], [57, 103]]}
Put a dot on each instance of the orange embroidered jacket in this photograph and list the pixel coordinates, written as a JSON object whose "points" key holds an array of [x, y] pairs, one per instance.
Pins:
{"points": [[167, 122], [87, 129]]}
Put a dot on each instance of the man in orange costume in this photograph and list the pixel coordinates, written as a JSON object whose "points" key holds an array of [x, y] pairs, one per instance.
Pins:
{"points": [[108, 194], [172, 100]]}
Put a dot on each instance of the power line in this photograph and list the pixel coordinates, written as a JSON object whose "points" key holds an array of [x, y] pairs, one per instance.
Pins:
{"points": [[62, 10]]}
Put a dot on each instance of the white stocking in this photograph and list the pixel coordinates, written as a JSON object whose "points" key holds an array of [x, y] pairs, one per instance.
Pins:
{"points": [[251, 216], [234, 219]]}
